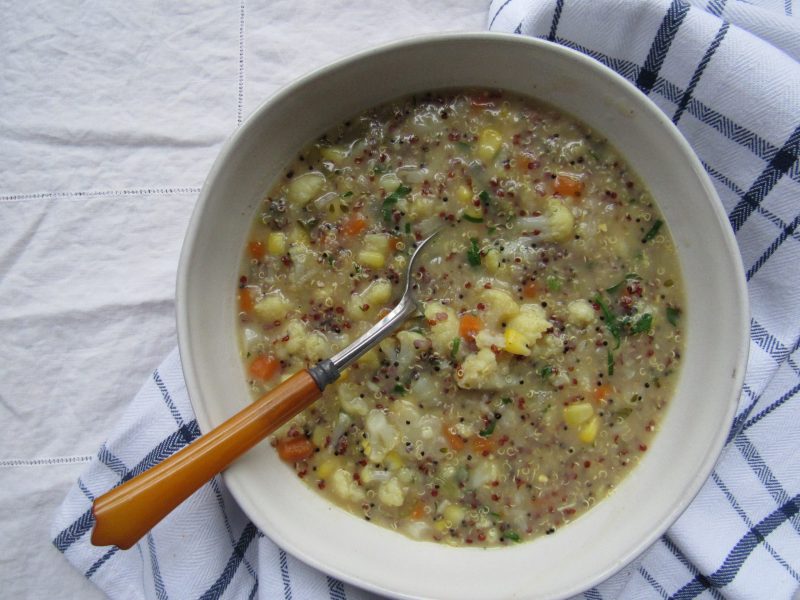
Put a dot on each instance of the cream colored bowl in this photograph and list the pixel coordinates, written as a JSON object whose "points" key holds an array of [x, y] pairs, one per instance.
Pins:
{"points": [[620, 527]]}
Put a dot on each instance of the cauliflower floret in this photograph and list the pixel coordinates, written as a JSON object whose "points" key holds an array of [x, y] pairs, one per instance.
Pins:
{"points": [[296, 331], [352, 403], [366, 304], [479, 371], [525, 329], [411, 345], [500, 306], [343, 486], [487, 339], [555, 225], [316, 346], [391, 493], [272, 307], [444, 326], [382, 437], [580, 313], [484, 473], [305, 188]]}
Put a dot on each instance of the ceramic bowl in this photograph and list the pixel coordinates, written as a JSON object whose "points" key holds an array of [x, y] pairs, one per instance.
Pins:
{"points": [[682, 456]]}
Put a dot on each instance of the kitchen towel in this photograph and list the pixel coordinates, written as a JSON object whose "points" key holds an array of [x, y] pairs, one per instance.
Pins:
{"points": [[727, 75]]}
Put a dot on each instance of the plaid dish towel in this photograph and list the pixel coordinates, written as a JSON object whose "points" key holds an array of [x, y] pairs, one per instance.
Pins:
{"points": [[728, 76]]}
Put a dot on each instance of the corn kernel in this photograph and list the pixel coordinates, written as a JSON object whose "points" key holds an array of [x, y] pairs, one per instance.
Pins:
{"points": [[276, 243], [328, 467], [488, 144], [440, 525], [393, 461], [464, 195], [588, 432], [454, 513], [370, 258], [516, 343], [318, 436], [491, 261], [578, 414]]}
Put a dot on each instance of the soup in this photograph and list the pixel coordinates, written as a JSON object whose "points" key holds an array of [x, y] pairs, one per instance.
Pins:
{"points": [[549, 337]]}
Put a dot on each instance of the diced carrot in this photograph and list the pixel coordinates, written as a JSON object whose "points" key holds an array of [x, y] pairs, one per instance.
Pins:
{"points": [[256, 249], [264, 366], [602, 392], [469, 326], [292, 449], [354, 224], [530, 290], [394, 240], [482, 445], [454, 440], [245, 301], [568, 186], [418, 511]]}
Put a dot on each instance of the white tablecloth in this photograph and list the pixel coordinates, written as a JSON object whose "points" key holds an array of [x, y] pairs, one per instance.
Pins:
{"points": [[111, 114]]}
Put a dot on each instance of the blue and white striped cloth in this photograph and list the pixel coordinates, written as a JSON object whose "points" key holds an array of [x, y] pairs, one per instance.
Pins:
{"points": [[727, 74]]}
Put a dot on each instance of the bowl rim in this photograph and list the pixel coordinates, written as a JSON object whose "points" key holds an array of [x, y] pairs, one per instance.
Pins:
{"points": [[741, 325]]}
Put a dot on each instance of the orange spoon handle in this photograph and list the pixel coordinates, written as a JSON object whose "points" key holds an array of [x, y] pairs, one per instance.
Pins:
{"points": [[124, 514]]}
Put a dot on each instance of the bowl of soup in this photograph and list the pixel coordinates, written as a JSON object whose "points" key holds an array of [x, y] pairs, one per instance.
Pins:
{"points": [[575, 363]]}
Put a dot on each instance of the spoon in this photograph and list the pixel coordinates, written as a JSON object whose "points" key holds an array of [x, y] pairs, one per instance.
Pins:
{"points": [[126, 513]]}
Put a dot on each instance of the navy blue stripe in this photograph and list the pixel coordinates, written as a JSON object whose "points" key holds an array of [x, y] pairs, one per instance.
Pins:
{"points": [[100, 562], [499, 10], [738, 422], [287, 583], [728, 183], [108, 458], [661, 44], [336, 589], [768, 342], [86, 492], [715, 7], [167, 398], [592, 594], [761, 469], [677, 553], [773, 247], [221, 503], [740, 552], [778, 403], [169, 446], [698, 73], [777, 167], [653, 583], [253, 592], [158, 581], [556, 18], [787, 7], [74, 532], [224, 580]]}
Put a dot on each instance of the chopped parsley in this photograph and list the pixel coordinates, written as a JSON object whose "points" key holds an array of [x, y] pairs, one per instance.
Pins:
{"points": [[474, 253], [489, 429], [454, 346], [643, 325], [612, 323], [672, 315], [616, 287], [653, 231], [391, 200], [485, 199], [610, 362]]}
